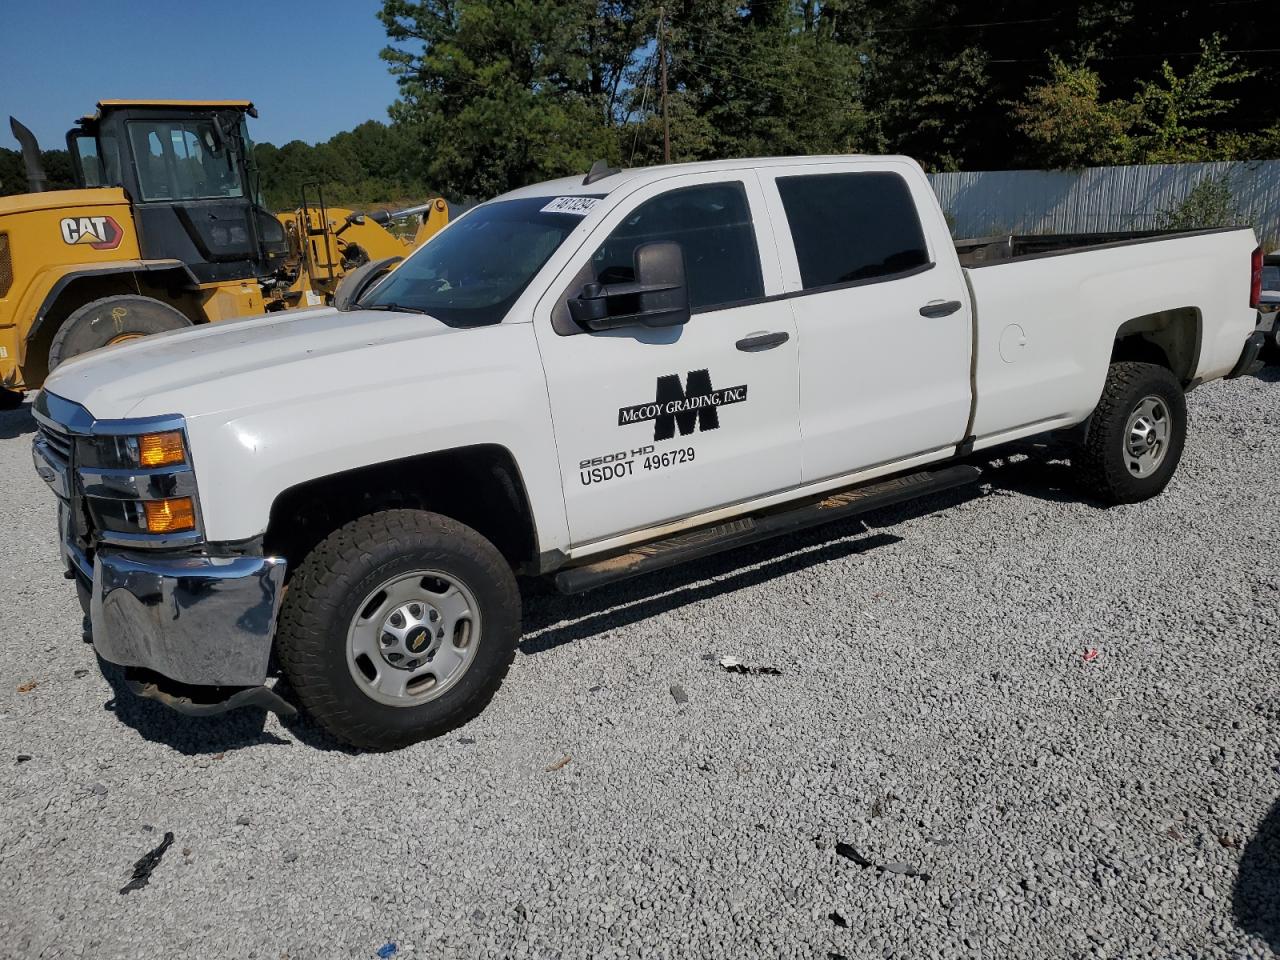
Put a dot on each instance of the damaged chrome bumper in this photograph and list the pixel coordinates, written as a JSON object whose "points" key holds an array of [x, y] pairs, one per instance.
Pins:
{"points": [[202, 621]]}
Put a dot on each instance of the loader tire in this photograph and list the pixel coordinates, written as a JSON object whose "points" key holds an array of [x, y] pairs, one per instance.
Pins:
{"points": [[11, 399], [397, 627], [1134, 439], [360, 281], [109, 321]]}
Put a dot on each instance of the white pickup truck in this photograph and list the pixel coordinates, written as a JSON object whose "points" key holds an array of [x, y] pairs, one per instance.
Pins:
{"points": [[589, 379]]}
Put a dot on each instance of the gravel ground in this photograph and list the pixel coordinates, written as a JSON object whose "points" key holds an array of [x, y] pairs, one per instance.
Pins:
{"points": [[936, 714]]}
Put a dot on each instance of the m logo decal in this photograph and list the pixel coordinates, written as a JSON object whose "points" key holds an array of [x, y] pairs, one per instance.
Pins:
{"points": [[695, 405]]}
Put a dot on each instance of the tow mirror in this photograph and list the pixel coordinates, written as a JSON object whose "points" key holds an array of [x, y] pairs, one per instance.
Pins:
{"points": [[658, 297]]}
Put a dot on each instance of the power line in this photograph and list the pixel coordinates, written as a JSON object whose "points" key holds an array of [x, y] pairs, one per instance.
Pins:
{"points": [[713, 70], [662, 59], [644, 96]]}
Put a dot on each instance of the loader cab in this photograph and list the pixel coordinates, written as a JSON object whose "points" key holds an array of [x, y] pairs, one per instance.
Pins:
{"points": [[187, 168]]}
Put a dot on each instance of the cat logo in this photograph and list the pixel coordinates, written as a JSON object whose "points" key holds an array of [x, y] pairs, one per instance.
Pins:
{"points": [[101, 233]]}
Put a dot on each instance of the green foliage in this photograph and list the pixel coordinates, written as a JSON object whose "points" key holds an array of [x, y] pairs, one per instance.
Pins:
{"points": [[1069, 122], [1209, 204], [13, 172], [372, 164], [772, 82], [1166, 121], [1173, 111], [503, 92], [494, 94]]}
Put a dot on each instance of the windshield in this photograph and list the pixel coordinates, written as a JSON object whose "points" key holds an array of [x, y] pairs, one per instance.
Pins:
{"points": [[183, 160], [472, 273]]}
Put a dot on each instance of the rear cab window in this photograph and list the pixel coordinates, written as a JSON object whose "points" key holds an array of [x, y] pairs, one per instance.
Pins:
{"points": [[852, 228]]}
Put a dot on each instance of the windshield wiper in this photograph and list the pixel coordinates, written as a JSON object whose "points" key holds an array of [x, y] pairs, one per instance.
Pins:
{"points": [[393, 307]]}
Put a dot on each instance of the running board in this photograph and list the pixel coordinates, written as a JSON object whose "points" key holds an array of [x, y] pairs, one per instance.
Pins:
{"points": [[706, 541]]}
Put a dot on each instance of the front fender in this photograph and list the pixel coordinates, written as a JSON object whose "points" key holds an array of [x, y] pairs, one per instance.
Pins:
{"points": [[340, 412]]}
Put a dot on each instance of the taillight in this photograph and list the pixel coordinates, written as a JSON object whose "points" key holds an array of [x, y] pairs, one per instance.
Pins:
{"points": [[1255, 281]]}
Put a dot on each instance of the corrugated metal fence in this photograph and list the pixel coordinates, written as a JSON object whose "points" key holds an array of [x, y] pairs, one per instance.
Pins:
{"points": [[1101, 199]]}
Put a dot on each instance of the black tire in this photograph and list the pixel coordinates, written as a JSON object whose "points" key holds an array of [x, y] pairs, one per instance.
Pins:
{"points": [[1102, 463], [110, 320], [339, 574], [360, 281], [10, 399], [1271, 347]]}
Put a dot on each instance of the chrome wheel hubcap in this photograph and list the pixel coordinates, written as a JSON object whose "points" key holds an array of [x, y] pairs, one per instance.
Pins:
{"points": [[1146, 437], [413, 638]]}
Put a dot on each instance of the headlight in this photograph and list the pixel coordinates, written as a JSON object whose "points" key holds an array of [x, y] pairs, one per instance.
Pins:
{"points": [[161, 449], [125, 452], [139, 486]]}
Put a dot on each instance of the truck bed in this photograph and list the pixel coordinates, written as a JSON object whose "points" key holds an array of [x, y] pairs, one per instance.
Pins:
{"points": [[977, 251], [1049, 309]]}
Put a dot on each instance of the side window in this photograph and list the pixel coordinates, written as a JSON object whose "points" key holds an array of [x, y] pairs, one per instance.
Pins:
{"points": [[179, 160], [711, 223], [852, 226], [87, 159]]}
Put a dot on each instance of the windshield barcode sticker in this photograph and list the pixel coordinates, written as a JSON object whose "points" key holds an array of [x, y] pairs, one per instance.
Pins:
{"points": [[577, 206]]}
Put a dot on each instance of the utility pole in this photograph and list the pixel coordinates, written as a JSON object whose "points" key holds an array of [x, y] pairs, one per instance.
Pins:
{"points": [[662, 57]]}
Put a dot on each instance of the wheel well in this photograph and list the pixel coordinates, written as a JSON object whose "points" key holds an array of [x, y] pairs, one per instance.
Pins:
{"points": [[167, 286], [1170, 338], [479, 486]]}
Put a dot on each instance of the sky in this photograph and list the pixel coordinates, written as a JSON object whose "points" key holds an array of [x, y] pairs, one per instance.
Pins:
{"points": [[311, 68]]}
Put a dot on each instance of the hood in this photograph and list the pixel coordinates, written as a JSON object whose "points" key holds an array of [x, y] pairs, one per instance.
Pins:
{"points": [[236, 364]]}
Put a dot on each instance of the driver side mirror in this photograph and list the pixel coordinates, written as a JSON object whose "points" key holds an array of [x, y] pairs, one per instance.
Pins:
{"points": [[658, 297]]}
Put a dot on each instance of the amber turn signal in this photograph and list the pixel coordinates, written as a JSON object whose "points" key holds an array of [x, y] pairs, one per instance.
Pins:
{"points": [[170, 516], [161, 449]]}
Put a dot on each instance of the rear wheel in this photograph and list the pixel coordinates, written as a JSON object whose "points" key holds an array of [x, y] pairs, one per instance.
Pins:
{"points": [[112, 320], [1135, 437], [399, 626], [1271, 348]]}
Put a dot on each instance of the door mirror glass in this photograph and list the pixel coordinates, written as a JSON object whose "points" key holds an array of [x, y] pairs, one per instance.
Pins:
{"points": [[658, 297]]}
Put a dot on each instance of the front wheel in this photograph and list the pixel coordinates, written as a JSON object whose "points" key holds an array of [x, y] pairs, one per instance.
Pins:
{"points": [[1135, 437], [397, 627]]}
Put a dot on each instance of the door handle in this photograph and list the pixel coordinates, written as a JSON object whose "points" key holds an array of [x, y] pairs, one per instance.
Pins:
{"points": [[940, 308], [762, 341]]}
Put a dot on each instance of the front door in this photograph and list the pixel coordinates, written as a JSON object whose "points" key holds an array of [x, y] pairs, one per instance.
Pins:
{"points": [[655, 425]]}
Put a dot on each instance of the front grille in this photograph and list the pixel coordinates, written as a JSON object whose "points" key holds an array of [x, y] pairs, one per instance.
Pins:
{"points": [[57, 443]]}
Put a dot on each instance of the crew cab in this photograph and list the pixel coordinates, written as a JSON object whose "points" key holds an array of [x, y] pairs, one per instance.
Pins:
{"points": [[588, 379]]}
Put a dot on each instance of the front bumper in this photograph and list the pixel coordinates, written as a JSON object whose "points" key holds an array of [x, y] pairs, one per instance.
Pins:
{"points": [[202, 621]]}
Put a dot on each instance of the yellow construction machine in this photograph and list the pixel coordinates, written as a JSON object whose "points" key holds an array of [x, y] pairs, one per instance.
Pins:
{"points": [[166, 230]]}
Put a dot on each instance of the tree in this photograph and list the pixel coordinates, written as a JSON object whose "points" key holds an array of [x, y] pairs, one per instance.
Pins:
{"points": [[13, 172], [1167, 121], [1173, 112], [774, 81], [502, 92], [1069, 122]]}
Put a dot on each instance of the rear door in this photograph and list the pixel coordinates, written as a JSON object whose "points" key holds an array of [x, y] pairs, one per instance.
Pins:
{"points": [[655, 425], [882, 317]]}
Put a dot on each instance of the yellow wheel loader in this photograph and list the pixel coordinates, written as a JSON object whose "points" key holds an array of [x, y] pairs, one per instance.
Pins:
{"points": [[166, 230]]}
